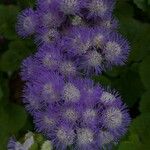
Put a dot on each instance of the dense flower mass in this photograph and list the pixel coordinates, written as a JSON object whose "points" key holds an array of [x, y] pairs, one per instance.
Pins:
{"points": [[75, 39]]}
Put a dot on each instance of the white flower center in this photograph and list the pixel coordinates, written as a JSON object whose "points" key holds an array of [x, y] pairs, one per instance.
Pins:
{"points": [[89, 114], [68, 68], [107, 97], [28, 24], [68, 6], [66, 137], [48, 88], [113, 50], [49, 60], [50, 36], [94, 58], [48, 19], [98, 40], [97, 7], [71, 114], [85, 136], [106, 137], [49, 121], [113, 118], [71, 93]]}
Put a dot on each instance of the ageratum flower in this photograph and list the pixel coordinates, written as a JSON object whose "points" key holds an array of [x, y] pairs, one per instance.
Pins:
{"points": [[47, 3], [78, 40], [100, 8], [116, 49], [116, 119], [29, 68], [46, 36], [13, 144], [106, 139], [63, 136], [75, 39], [70, 6], [49, 57], [49, 17], [110, 23], [47, 120], [27, 23], [48, 87], [86, 139]]}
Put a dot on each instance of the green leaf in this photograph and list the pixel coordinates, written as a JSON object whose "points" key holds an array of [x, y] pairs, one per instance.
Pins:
{"points": [[12, 119], [8, 15], [134, 30], [26, 3], [102, 80], [1, 93], [145, 72], [140, 126], [142, 4], [129, 86], [145, 102], [18, 50]]}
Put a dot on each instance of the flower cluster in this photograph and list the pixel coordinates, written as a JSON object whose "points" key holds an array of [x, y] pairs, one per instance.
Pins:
{"points": [[75, 39]]}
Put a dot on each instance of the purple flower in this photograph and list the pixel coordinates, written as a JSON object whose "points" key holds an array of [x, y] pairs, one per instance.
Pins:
{"points": [[29, 68], [49, 17], [110, 23], [27, 22], [49, 57], [47, 3], [116, 49], [86, 139], [78, 40], [100, 8], [99, 37], [116, 119], [14, 145], [46, 36], [70, 6], [106, 139], [91, 63], [75, 39], [68, 68], [63, 136], [47, 120], [48, 86], [71, 92]]}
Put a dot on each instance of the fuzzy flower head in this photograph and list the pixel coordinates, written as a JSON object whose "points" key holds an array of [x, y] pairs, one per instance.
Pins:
{"points": [[116, 49], [100, 8], [46, 36], [70, 6], [78, 41], [110, 23], [49, 17], [27, 22], [71, 92], [68, 67], [85, 139], [116, 119], [91, 63], [48, 57], [63, 136], [106, 139], [15, 145], [48, 86]]}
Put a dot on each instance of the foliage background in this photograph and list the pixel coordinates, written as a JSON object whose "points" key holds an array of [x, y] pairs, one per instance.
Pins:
{"points": [[132, 80]]}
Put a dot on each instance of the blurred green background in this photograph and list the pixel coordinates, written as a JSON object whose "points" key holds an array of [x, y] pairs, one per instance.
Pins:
{"points": [[131, 80]]}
